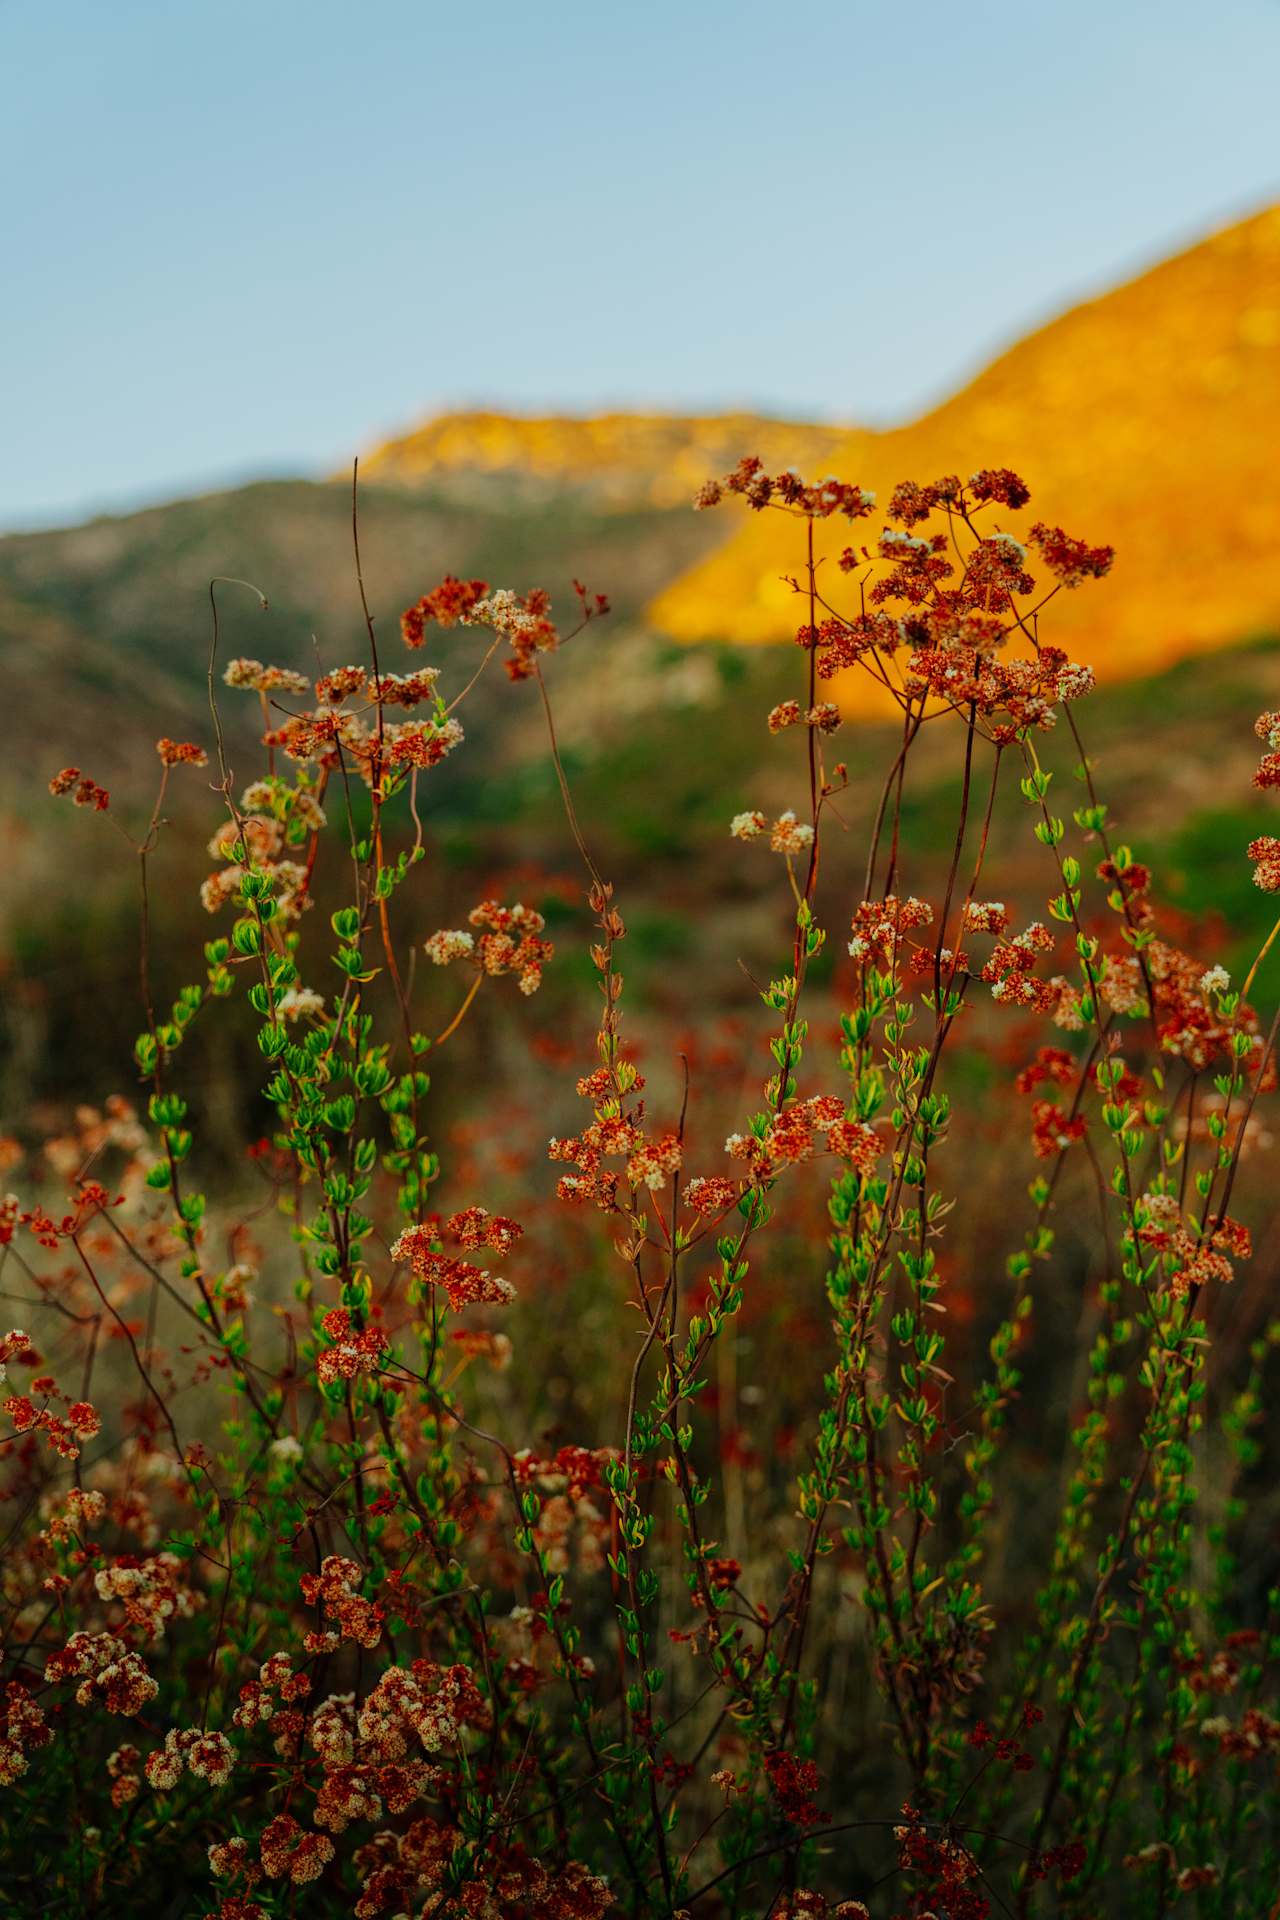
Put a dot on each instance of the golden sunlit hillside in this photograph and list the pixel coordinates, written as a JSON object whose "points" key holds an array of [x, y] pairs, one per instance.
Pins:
{"points": [[1147, 418], [649, 459]]}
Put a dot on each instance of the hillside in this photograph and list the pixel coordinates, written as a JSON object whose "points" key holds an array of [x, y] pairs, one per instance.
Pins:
{"points": [[1147, 418], [634, 459]]}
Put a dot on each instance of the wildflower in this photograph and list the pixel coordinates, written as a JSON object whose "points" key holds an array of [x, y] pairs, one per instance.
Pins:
{"points": [[476, 1227], [299, 1003], [445, 946], [181, 753], [353, 1351], [825, 716], [84, 792], [711, 1194], [787, 714], [1215, 980], [789, 835], [747, 826], [446, 604], [335, 687], [855, 1142], [999, 484], [654, 1161], [22, 1729], [463, 1283], [477, 1343], [110, 1674], [336, 1591], [986, 916], [251, 674], [1070, 561], [287, 1848], [1265, 854], [421, 743]]}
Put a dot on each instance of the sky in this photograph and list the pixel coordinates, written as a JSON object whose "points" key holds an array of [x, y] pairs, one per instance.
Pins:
{"points": [[249, 237]]}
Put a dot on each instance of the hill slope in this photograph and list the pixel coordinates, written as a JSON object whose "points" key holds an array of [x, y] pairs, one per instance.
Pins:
{"points": [[650, 459], [1147, 418]]}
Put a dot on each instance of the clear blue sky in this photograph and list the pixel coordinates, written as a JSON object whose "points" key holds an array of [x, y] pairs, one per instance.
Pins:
{"points": [[250, 236]]}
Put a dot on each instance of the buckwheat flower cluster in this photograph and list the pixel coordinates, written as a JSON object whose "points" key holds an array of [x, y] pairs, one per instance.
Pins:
{"points": [[572, 1512], [256, 843], [477, 1343], [253, 677], [339, 684], [477, 1227], [508, 942], [816, 500], [1189, 1020], [351, 1351], [1265, 855], [879, 926], [444, 606], [985, 916], [803, 1128], [335, 1590], [123, 1771], [151, 1591], [420, 743], [76, 1514], [63, 1432], [209, 1756], [789, 835], [289, 1850], [1009, 970], [111, 1675], [181, 753], [652, 1162], [1193, 1259], [448, 945], [523, 620], [426, 1705], [258, 1703], [84, 791], [23, 1729], [463, 1283], [300, 1003], [710, 1194], [1070, 561]]}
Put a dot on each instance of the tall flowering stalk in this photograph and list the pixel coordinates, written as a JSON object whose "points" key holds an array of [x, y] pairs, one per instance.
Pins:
{"points": [[299, 1618]]}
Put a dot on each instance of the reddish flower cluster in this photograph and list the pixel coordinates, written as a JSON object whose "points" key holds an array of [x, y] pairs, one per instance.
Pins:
{"points": [[64, 1432], [463, 1283], [353, 1350], [817, 501], [444, 606], [23, 1728], [181, 753], [1009, 971], [793, 1784], [111, 1675], [878, 927], [84, 791], [510, 943], [711, 1194], [288, 1849], [1070, 561], [951, 1876], [336, 1591]]}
